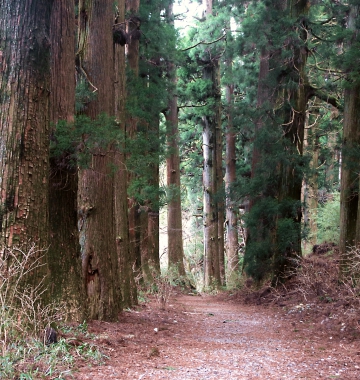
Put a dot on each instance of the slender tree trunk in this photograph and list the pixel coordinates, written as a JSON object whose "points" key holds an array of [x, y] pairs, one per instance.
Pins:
{"points": [[64, 250], [128, 286], [349, 196], [210, 172], [174, 217], [310, 186], [220, 190], [96, 183], [24, 121], [153, 228], [232, 257]]}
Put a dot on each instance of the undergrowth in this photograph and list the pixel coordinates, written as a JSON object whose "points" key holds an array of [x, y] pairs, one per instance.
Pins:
{"points": [[24, 321], [323, 286]]}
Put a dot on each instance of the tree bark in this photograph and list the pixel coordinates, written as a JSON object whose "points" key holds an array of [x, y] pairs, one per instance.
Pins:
{"points": [[349, 195], [128, 286], [211, 123], [64, 250], [24, 121], [132, 52], [232, 268], [96, 220], [174, 217]]}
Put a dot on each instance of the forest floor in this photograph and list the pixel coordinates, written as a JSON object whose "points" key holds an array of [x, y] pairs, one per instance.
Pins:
{"points": [[224, 336]]}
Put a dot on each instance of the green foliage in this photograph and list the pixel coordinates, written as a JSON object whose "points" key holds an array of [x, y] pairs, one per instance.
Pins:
{"points": [[74, 143], [83, 95], [328, 221]]}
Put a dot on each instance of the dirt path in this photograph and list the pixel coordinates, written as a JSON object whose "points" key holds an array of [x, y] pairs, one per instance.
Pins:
{"points": [[203, 337]]}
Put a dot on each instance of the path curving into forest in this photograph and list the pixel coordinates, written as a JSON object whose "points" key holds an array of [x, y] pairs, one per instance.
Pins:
{"points": [[204, 337]]}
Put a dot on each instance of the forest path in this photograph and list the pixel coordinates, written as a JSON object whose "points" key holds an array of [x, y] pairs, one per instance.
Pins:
{"points": [[204, 337]]}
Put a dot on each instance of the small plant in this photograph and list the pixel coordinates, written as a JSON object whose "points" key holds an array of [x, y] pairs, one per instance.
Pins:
{"points": [[164, 284]]}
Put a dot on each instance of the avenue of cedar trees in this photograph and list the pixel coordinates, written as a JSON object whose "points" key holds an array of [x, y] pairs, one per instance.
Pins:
{"points": [[244, 126]]}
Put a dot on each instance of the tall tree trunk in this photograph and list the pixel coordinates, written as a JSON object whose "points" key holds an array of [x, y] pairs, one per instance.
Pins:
{"points": [[24, 120], [128, 286], [210, 124], [310, 185], [153, 228], [132, 53], [349, 196], [64, 250], [232, 257], [220, 190], [174, 217], [96, 183]]}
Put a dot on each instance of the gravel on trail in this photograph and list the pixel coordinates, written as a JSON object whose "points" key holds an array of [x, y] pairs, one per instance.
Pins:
{"points": [[206, 337]]}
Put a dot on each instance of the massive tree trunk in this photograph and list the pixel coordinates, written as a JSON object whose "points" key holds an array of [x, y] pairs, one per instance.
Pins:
{"points": [[128, 286], [349, 196], [24, 121], [96, 183], [174, 218], [64, 250]]}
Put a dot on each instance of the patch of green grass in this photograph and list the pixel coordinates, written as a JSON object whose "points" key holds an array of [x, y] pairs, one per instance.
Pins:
{"points": [[169, 368]]}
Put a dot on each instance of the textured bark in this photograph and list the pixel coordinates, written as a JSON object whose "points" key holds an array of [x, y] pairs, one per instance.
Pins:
{"points": [[64, 250], [24, 120], [174, 218], [128, 286], [96, 221], [310, 186], [232, 258], [220, 190], [211, 127], [210, 183], [349, 195], [153, 227], [132, 54]]}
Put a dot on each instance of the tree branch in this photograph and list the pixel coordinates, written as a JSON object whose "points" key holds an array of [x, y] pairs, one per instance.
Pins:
{"points": [[205, 43], [324, 96]]}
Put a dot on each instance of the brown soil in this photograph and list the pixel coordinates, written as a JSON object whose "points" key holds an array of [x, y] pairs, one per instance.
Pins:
{"points": [[219, 337]]}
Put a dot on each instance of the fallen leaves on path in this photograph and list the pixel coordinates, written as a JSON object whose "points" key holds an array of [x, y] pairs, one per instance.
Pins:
{"points": [[211, 337]]}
